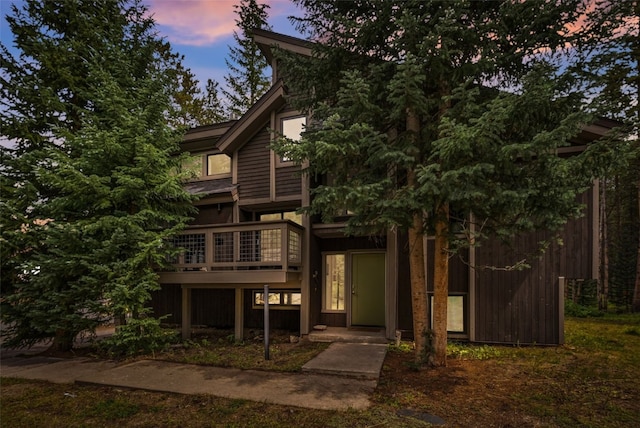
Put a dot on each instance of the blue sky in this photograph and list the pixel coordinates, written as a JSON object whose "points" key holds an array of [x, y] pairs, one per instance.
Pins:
{"points": [[201, 30]]}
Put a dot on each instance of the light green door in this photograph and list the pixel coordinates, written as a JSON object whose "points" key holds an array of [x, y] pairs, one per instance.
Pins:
{"points": [[367, 289]]}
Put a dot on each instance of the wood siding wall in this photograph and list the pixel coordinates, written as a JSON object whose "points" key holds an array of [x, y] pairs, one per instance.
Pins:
{"points": [[210, 307], [254, 166], [524, 306], [288, 181], [213, 214]]}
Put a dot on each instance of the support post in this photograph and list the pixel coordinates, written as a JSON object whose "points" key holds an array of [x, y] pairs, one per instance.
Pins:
{"points": [[562, 283], [266, 321], [239, 315], [186, 313]]}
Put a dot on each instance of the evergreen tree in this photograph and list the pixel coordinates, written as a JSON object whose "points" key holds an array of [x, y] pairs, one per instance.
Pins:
{"points": [[193, 106], [213, 108], [606, 63], [434, 116], [246, 80], [91, 188]]}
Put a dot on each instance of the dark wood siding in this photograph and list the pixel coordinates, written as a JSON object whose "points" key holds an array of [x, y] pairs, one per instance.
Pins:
{"points": [[253, 167], [523, 306], [167, 301], [210, 307], [213, 307], [405, 317], [288, 181], [315, 289], [213, 214], [360, 243], [334, 320], [458, 270]]}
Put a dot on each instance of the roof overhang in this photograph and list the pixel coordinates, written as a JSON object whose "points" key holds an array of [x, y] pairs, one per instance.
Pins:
{"points": [[267, 40], [204, 137], [588, 134]]}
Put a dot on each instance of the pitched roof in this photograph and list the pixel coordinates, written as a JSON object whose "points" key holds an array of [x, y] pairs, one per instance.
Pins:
{"points": [[253, 120]]}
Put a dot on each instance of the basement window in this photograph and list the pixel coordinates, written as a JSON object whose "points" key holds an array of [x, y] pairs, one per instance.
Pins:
{"points": [[278, 299]]}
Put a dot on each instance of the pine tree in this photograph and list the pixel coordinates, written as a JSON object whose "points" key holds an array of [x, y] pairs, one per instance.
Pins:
{"points": [[606, 63], [431, 115], [193, 106], [246, 80], [94, 193]]}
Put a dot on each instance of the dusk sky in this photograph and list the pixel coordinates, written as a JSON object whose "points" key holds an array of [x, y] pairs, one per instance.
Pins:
{"points": [[201, 30]]}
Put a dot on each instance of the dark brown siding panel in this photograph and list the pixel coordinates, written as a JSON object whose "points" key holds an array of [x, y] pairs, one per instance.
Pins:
{"points": [[334, 320], [405, 319], [167, 301], [213, 307], [253, 167], [344, 244], [523, 306], [213, 214], [458, 270], [315, 292], [288, 181]]}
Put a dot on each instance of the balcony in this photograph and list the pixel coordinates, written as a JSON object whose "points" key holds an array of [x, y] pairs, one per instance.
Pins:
{"points": [[253, 252]]}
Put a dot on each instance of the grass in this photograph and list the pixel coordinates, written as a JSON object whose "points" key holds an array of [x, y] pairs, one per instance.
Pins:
{"points": [[591, 381], [217, 348]]}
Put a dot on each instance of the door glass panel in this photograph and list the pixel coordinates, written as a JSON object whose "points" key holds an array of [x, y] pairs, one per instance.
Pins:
{"points": [[334, 282]]}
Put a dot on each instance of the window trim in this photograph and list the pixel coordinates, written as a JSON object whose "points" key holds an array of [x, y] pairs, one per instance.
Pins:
{"points": [[465, 314], [204, 166], [277, 306], [323, 272], [219, 175], [280, 118]]}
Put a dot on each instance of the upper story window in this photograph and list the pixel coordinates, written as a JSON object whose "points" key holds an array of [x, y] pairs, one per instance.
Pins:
{"points": [[292, 128], [219, 164], [204, 166]]}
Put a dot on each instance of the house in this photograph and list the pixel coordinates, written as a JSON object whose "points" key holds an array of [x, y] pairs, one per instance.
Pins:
{"points": [[247, 234]]}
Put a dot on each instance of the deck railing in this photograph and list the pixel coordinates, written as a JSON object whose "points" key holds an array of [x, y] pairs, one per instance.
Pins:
{"points": [[272, 245]]}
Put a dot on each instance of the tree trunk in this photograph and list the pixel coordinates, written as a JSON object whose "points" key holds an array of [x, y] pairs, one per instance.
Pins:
{"points": [[419, 298], [419, 307], [63, 341], [441, 285]]}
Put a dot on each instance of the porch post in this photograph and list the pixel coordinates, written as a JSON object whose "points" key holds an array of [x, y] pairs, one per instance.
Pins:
{"points": [[186, 312], [239, 315]]}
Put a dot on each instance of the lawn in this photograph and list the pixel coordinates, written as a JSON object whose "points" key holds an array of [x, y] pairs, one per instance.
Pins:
{"points": [[591, 382]]}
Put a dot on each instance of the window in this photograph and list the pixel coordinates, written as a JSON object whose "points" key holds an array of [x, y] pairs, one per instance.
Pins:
{"points": [[278, 299], [334, 283], [455, 314], [193, 165], [286, 215], [292, 128], [218, 164]]}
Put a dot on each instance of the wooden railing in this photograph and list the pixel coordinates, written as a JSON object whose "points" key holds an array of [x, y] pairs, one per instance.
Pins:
{"points": [[267, 245]]}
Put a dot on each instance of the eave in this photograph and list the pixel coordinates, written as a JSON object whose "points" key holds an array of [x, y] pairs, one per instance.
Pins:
{"points": [[266, 40], [253, 120], [204, 137]]}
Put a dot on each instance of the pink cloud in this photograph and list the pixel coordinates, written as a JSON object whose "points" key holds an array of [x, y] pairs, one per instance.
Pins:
{"points": [[194, 22], [203, 22]]}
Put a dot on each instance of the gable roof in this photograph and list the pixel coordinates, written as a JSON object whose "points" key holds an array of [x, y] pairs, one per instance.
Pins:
{"points": [[253, 120], [266, 40]]}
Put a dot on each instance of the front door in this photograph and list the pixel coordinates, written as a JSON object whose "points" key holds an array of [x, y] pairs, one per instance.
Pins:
{"points": [[368, 280]]}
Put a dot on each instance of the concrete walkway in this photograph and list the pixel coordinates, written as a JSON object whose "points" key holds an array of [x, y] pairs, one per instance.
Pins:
{"points": [[320, 386]]}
